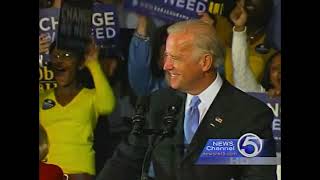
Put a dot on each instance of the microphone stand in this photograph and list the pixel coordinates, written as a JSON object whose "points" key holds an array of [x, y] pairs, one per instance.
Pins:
{"points": [[138, 130], [158, 136], [155, 140]]}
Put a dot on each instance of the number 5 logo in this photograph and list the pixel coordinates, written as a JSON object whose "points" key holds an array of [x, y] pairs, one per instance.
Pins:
{"points": [[249, 145]]}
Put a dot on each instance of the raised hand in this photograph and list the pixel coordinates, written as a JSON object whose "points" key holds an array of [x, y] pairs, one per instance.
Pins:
{"points": [[44, 43], [91, 52], [142, 25], [239, 16]]}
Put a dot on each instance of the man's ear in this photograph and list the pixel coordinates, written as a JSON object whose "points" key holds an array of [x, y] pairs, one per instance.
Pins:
{"points": [[206, 62]]}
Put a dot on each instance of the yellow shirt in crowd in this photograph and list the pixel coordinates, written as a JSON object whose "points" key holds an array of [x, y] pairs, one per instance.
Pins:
{"points": [[70, 128]]}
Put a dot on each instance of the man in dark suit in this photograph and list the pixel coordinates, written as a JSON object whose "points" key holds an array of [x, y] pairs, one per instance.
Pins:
{"points": [[221, 112]]}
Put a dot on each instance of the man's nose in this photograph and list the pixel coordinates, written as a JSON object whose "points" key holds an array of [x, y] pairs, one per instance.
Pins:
{"points": [[168, 65]]}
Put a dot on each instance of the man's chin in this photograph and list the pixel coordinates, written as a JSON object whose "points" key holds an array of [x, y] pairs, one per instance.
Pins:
{"points": [[171, 82], [174, 86]]}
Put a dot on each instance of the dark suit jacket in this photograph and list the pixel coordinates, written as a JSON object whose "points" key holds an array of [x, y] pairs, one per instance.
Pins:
{"points": [[241, 114]]}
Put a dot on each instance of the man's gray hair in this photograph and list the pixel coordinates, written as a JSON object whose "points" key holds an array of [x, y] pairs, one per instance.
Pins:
{"points": [[204, 36]]}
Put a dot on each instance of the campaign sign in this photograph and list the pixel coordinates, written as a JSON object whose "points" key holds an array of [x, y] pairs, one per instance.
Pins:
{"points": [[48, 21], [168, 10], [275, 105], [105, 27], [48, 24], [249, 149], [46, 78], [105, 24]]}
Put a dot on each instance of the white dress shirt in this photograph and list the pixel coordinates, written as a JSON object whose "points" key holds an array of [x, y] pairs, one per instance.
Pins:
{"points": [[207, 96]]}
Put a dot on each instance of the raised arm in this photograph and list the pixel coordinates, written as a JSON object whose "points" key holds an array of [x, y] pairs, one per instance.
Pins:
{"points": [[140, 75], [243, 76], [104, 97]]}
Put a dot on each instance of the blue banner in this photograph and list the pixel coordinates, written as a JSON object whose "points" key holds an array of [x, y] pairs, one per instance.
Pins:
{"points": [[168, 10], [275, 105], [48, 24], [105, 30], [105, 24], [46, 78], [249, 149]]}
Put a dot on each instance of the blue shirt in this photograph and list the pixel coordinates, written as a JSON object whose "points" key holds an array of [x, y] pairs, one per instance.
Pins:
{"points": [[141, 79]]}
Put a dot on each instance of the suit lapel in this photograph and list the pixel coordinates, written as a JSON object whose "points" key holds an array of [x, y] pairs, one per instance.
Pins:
{"points": [[211, 125]]}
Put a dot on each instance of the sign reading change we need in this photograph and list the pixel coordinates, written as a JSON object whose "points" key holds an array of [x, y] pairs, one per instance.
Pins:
{"points": [[105, 24], [168, 10]]}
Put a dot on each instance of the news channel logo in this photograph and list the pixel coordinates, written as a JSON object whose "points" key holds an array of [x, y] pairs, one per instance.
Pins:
{"points": [[250, 145], [249, 149]]}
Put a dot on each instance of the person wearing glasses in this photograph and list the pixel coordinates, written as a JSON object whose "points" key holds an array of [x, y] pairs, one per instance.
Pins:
{"points": [[70, 111]]}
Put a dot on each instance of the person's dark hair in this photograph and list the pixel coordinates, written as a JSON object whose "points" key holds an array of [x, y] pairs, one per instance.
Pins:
{"points": [[74, 32], [119, 80], [106, 54], [159, 38], [75, 50], [258, 18], [83, 76], [265, 81], [110, 52]]}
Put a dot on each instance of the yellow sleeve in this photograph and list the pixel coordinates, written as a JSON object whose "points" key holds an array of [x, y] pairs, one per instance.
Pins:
{"points": [[104, 97]]}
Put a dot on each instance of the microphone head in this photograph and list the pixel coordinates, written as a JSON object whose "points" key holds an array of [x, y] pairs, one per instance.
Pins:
{"points": [[174, 105], [142, 105], [169, 119], [138, 120]]}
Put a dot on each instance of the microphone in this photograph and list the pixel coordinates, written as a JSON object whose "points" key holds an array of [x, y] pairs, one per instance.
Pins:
{"points": [[169, 119], [138, 120], [168, 131]]}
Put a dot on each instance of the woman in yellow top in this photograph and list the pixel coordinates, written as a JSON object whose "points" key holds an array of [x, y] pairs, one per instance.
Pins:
{"points": [[69, 112]]}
